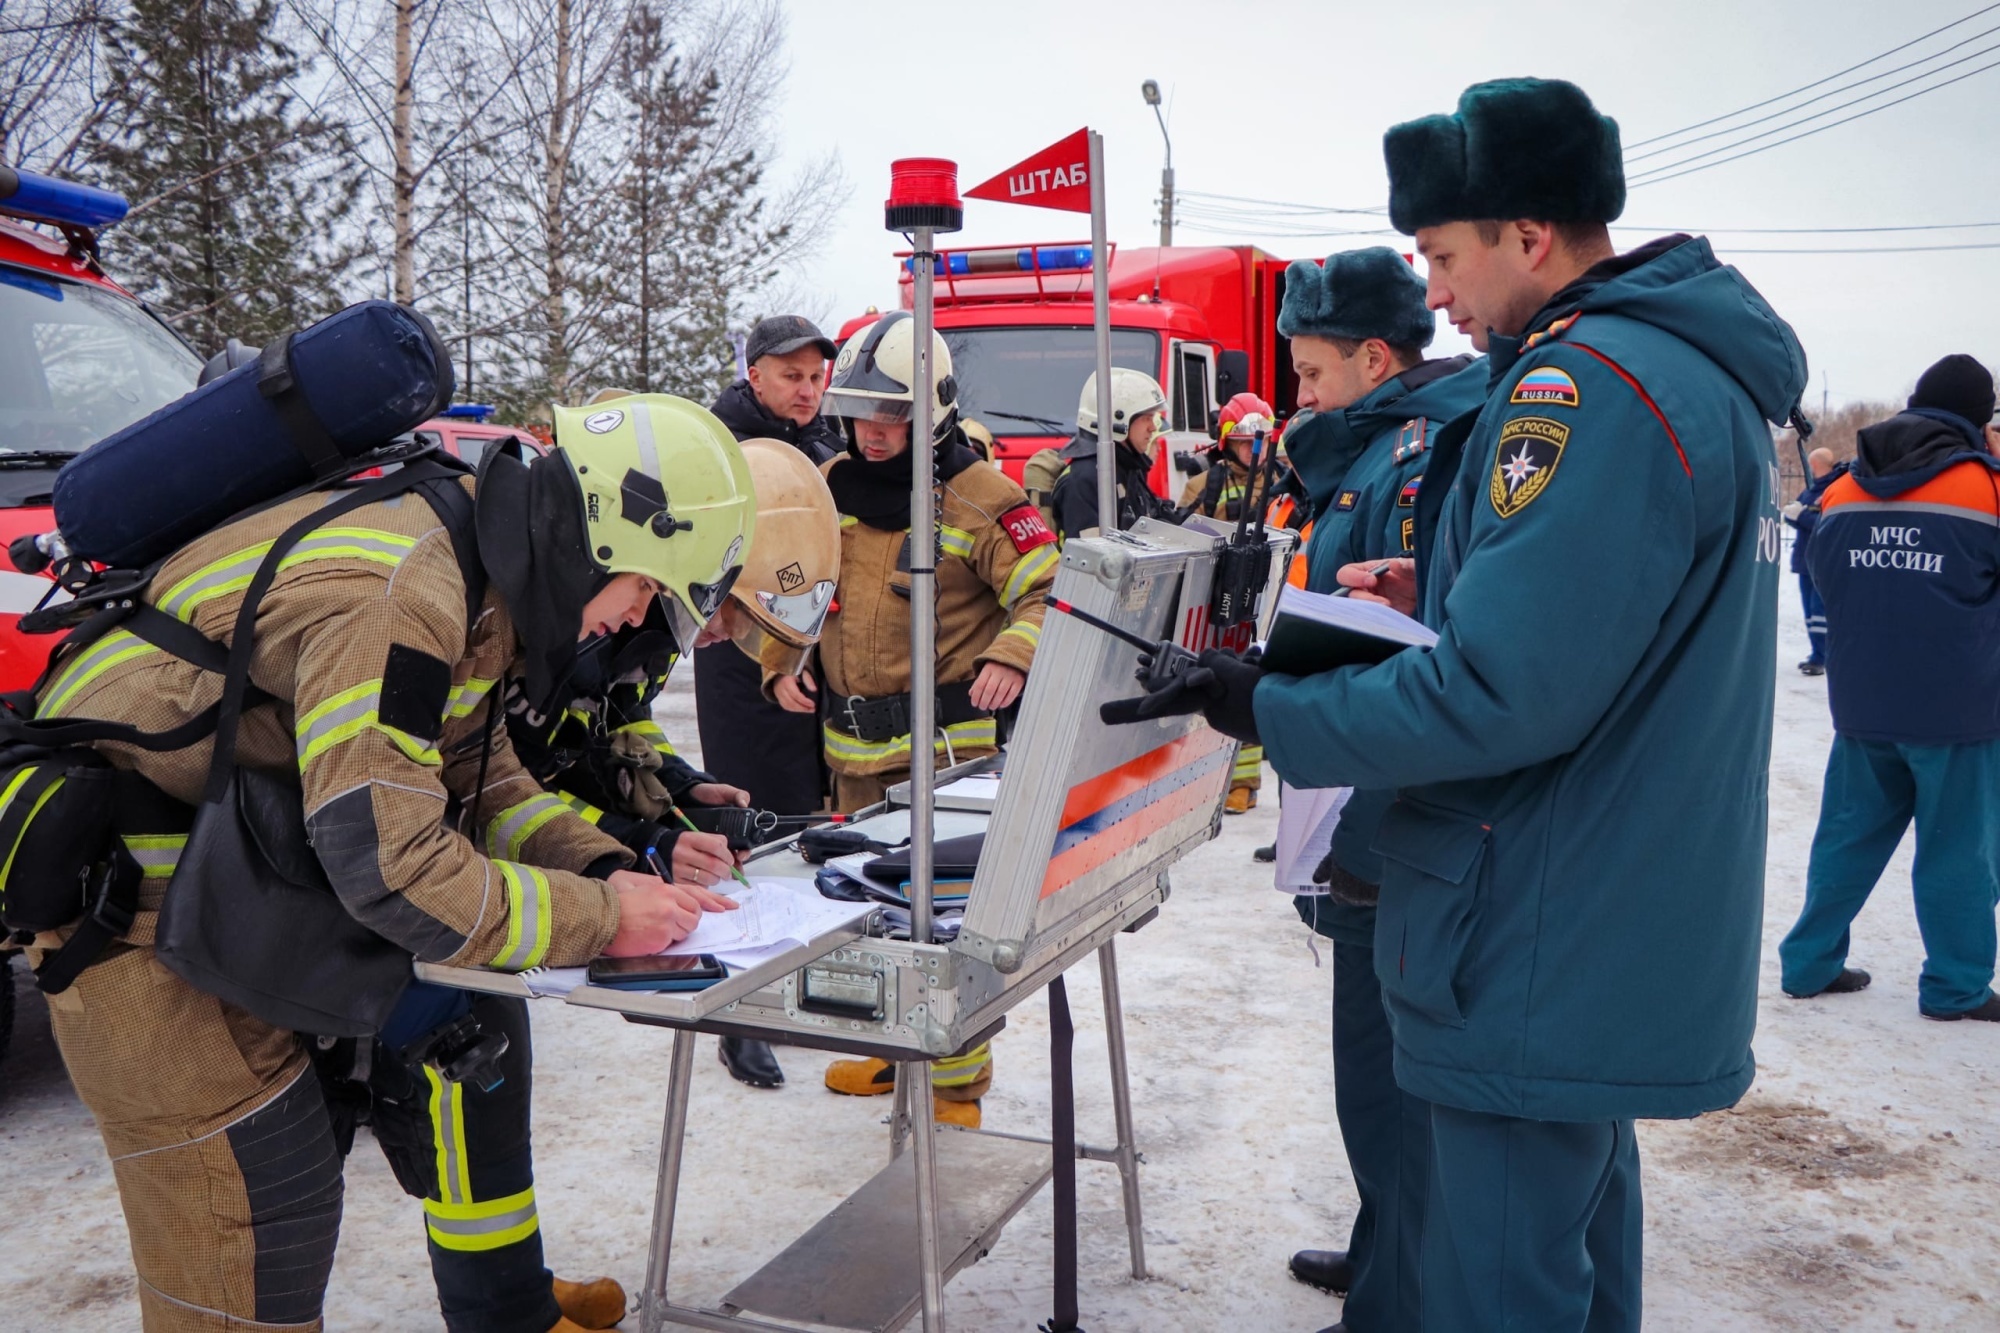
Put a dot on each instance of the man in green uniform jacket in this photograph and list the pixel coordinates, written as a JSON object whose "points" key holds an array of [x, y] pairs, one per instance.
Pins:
{"points": [[1358, 326], [1573, 872]]}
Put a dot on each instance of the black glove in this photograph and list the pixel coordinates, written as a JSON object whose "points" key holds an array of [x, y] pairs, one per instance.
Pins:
{"points": [[642, 834], [1221, 685]]}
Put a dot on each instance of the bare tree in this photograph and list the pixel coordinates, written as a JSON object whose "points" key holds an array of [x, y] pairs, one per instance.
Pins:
{"points": [[52, 74], [420, 90]]}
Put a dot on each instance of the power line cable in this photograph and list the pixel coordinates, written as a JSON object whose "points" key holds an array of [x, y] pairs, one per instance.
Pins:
{"points": [[1800, 231], [1758, 106], [1856, 250], [1630, 158], [1639, 176], [1671, 174]]}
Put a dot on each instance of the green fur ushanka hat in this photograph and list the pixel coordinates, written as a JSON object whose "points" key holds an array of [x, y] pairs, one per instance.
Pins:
{"points": [[1359, 294], [1516, 148]]}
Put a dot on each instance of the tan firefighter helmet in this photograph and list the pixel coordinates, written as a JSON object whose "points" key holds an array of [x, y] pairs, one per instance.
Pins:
{"points": [[780, 601]]}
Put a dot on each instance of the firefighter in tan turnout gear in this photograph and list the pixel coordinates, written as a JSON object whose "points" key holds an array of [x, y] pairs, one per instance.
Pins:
{"points": [[995, 560], [378, 697]]}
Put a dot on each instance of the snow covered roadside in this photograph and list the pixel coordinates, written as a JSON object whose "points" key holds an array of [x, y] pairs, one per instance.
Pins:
{"points": [[1852, 1189]]}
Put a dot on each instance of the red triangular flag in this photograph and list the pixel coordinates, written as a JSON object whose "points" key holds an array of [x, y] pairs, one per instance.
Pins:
{"points": [[1056, 177]]}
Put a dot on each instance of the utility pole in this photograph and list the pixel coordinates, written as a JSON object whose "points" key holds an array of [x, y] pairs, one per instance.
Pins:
{"points": [[1150, 90]]}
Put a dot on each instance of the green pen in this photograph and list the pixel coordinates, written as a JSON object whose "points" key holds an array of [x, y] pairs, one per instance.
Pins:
{"points": [[688, 824]]}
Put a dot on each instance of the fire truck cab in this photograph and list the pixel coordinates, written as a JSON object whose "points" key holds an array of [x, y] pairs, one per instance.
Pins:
{"points": [[80, 358], [1202, 320]]}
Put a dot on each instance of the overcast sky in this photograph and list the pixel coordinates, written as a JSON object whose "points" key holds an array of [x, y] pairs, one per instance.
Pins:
{"points": [[1287, 99]]}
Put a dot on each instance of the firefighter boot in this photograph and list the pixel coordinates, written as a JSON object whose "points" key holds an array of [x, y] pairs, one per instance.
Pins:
{"points": [[965, 1115], [861, 1078], [598, 1303], [1241, 800]]}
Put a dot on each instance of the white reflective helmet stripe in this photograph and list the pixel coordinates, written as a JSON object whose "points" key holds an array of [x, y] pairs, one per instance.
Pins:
{"points": [[649, 455]]}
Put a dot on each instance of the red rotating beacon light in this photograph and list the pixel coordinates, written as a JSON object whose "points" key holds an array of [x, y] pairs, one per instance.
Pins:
{"points": [[923, 192]]}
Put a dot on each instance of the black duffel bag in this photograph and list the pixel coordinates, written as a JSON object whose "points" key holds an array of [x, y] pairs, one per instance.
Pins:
{"points": [[251, 919]]}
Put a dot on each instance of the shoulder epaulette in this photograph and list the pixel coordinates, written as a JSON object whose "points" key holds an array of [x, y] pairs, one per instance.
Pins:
{"points": [[1555, 330], [1412, 439]]}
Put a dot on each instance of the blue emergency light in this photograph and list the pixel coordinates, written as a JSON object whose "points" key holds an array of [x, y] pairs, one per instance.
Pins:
{"points": [[1048, 258], [467, 412], [45, 199]]}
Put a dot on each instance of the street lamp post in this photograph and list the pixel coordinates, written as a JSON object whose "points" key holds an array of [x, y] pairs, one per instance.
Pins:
{"points": [[1151, 91]]}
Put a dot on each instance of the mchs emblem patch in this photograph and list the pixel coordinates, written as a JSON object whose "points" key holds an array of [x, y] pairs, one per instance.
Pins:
{"points": [[1525, 461]]}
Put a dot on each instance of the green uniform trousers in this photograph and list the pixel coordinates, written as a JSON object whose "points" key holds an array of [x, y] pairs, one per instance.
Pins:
{"points": [[1532, 1226], [1873, 791]]}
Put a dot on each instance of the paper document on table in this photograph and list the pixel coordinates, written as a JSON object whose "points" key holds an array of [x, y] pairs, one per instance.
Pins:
{"points": [[770, 913], [1307, 817], [977, 793]]}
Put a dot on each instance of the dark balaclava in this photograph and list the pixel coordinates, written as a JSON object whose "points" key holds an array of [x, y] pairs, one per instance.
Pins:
{"points": [[879, 493], [1959, 385], [531, 540]]}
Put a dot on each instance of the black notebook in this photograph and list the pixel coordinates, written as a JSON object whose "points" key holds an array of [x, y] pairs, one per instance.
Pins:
{"points": [[1315, 631]]}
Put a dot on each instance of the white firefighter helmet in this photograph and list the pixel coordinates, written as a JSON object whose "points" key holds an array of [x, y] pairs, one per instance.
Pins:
{"points": [[778, 605], [874, 371], [1133, 394]]}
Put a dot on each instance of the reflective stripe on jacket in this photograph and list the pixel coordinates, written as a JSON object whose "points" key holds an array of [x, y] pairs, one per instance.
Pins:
{"points": [[382, 693]]}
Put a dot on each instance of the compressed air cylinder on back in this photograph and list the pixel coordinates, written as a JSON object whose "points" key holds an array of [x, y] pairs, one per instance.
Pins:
{"points": [[330, 393]]}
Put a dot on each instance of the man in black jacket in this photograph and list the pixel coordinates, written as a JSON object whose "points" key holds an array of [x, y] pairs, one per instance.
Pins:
{"points": [[748, 741], [779, 398]]}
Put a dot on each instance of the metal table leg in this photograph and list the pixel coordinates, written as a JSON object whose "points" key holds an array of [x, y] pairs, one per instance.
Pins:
{"points": [[667, 1191], [899, 1119], [916, 1075], [1121, 1103]]}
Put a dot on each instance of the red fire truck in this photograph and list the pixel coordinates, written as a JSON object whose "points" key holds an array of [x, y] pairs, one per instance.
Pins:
{"points": [[80, 358], [1202, 320]]}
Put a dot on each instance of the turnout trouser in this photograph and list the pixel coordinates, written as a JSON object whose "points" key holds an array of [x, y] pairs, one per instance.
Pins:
{"points": [[1247, 774], [1873, 791], [1387, 1135], [1532, 1226], [219, 1139], [467, 1154]]}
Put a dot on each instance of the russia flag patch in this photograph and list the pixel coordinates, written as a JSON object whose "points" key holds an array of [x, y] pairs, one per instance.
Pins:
{"points": [[1547, 386]]}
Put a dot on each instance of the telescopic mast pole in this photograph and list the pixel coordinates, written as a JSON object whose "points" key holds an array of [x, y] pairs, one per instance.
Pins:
{"points": [[923, 200]]}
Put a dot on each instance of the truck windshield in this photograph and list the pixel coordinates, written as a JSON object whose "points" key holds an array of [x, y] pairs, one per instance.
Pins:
{"points": [[78, 363], [1026, 381]]}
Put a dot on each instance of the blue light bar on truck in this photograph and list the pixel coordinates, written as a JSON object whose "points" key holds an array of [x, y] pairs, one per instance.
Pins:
{"points": [[1047, 258], [45, 199], [467, 412]]}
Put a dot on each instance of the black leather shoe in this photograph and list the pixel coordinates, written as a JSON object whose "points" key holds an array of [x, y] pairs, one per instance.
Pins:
{"points": [[1267, 854], [1989, 1012], [1851, 979], [750, 1062], [1812, 668], [1328, 1270]]}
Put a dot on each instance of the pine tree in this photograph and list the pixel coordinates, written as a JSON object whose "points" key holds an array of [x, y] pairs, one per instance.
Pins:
{"points": [[693, 236], [236, 189]]}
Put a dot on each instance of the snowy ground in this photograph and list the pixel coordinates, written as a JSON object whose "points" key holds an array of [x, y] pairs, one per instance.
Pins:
{"points": [[1852, 1189]]}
